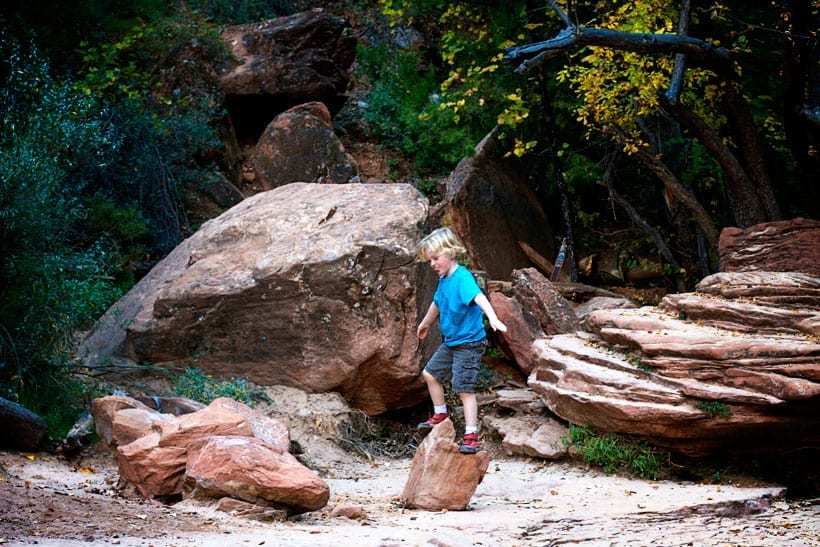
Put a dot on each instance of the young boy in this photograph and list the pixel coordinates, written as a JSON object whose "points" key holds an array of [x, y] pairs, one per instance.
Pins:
{"points": [[458, 304]]}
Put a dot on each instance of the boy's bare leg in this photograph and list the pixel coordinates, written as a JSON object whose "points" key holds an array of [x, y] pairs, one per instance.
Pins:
{"points": [[435, 388], [470, 403]]}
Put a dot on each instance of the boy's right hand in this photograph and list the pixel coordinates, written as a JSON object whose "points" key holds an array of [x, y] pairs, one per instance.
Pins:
{"points": [[422, 331]]}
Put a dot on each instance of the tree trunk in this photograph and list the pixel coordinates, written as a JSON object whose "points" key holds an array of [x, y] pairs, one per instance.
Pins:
{"points": [[801, 92], [746, 207], [746, 133], [676, 82]]}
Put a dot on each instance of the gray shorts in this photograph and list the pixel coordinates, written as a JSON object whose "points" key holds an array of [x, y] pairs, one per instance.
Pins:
{"points": [[457, 365]]}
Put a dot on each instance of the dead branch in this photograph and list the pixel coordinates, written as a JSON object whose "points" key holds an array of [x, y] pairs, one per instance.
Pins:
{"points": [[572, 37]]}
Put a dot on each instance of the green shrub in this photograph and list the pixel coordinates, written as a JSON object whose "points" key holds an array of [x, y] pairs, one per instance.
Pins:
{"points": [[61, 399], [55, 277], [242, 11], [194, 384], [613, 452], [714, 409]]}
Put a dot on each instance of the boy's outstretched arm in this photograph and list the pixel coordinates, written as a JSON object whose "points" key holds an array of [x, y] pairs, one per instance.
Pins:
{"points": [[427, 322], [488, 310]]}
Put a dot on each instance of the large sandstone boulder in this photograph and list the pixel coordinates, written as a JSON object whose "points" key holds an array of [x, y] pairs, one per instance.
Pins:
{"points": [[307, 285], [494, 211], [284, 62], [157, 460], [300, 145]]}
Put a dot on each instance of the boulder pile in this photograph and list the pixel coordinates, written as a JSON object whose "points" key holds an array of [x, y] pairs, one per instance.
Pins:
{"points": [[733, 367], [225, 451]]}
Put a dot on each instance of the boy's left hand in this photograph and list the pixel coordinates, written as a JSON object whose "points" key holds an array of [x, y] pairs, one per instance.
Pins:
{"points": [[498, 325]]}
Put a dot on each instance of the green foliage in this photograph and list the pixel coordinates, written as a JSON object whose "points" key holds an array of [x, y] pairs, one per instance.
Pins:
{"points": [[400, 91], [714, 409], [243, 11], [55, 279], [105, 217], [429, 188], [163, 131], [637, 362], [621, 88], [613, 452], [198, 386], [437, 114], [60, 400], [495, 353], [92, 177]]}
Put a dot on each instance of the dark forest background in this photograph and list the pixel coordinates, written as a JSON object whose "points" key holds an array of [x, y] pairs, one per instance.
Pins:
{"points": [[646, 147]]}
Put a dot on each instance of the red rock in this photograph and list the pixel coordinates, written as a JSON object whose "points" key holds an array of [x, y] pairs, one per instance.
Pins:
{"points": [[130, 424], [300, 145], [215, 419], [492, 208], [156, 471], [780, 246], [289, 60], [266, 429], [528, 435], [522, 330], [171, 405], [310, 286], [348, 511], [243, 509], [541, 300], [104, 409], [441, 477], [251, 470]]}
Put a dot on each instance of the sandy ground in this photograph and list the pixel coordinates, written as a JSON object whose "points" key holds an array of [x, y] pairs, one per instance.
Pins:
{"points": [[46, 500]]}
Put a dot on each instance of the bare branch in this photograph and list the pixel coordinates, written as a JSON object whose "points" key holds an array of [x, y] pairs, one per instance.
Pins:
{"points": [[561, 13], [642, 224], [571, 38], [673, 187]]}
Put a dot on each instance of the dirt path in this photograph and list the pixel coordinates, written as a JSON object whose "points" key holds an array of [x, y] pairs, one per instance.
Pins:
{"points": [[47, 501]]}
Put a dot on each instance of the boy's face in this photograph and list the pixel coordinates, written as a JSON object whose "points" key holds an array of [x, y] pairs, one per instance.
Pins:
{"points": [[441, 264]]}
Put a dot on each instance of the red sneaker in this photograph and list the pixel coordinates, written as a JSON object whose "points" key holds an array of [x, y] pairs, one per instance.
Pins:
{"points": [[470, 445], [433, 421]]}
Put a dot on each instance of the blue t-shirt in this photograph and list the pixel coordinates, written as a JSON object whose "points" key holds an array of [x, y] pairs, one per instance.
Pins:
{"points": [[460, 318]]}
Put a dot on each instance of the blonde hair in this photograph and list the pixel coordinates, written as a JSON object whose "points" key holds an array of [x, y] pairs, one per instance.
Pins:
{"points": [[441, 241]]}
